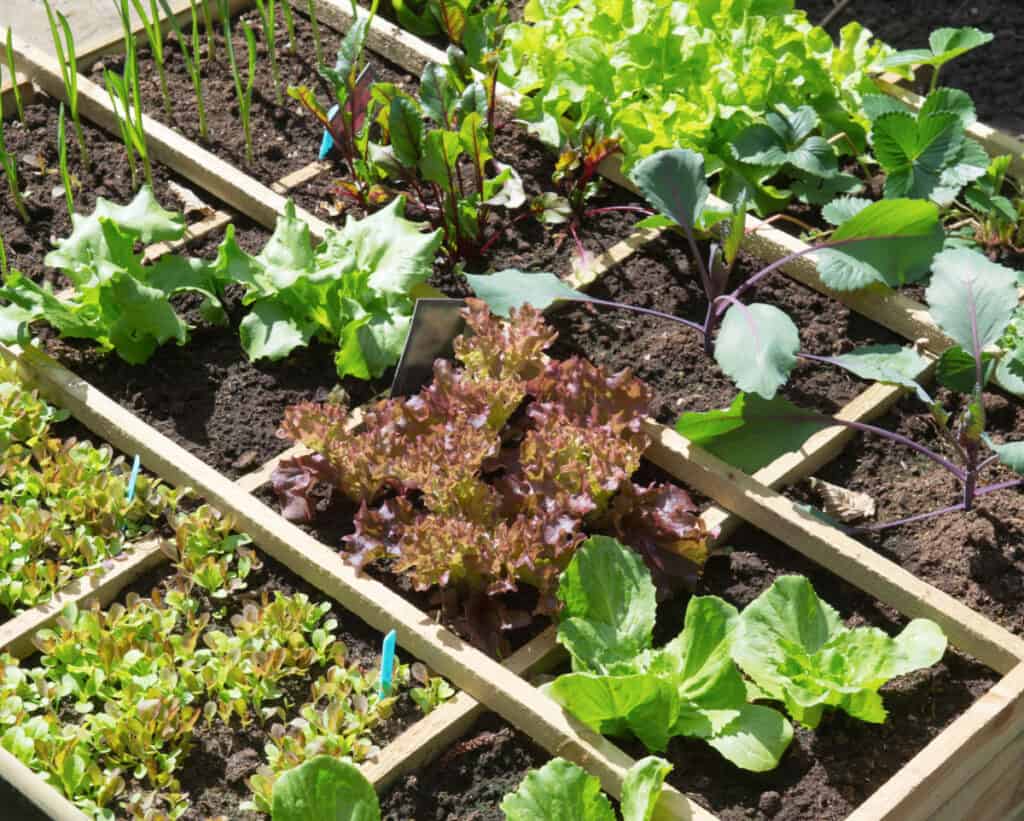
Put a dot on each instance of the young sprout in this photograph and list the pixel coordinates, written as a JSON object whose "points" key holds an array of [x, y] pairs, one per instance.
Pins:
{"points": [[62, 154], [211, 40], [126, 100], [190, 54], [3, 258], [10, 165], [311, 8], [14, 77], [155, 35], [268, 14], [68, 61], [289, 24], [244, 93]]}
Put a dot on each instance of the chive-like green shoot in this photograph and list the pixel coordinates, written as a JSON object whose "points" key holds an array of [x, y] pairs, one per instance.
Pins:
{"points": [[62, 158], [155, 35], [311, 8], [16, 90], [68, 61], [3, 259], [243, 92], [268, 14], [126, 99], [289, 24], [10, 166], [119, 103], [191, 54], [211, 39]]}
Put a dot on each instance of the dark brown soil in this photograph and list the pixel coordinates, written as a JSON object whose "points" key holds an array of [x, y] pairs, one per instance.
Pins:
{"points": [[990, 74], [469, 780], [671, 358], [207, 396], [34, 145], [285, 136], [222, 757], [829, 771], [976, 557]]}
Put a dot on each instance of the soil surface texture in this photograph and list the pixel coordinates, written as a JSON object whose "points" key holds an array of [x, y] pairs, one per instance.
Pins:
{"points": [[670, 357], [976, 557], [468, 781]]}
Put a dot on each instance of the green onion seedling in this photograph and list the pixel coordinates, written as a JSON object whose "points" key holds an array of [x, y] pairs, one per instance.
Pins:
{"points": [[68, 61], [190, 53], [14, 77], [317, 46], [289, 24], [10, 165], [3, 259], [62, 156], [268, 14], [126, 99], [211, 40], [244, 92], [155, 35]]}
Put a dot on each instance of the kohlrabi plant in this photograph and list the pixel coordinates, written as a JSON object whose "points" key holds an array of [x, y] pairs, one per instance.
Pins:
{"points": [[561, 789], [757, 345], [974, 302], [464, 490], [786, 646]]}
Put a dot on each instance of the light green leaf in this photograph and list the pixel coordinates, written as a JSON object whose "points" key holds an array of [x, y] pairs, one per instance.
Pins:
{"points": [[944, 44], [441, 150], [512, 288], [674, 183], [752, 432], [890, 364], [755, 740], [559, 789], [271, 332], [641, 788], [609, 605], [756, 347], [796, 649], [845, 208], [324, 788], [897, 240], [971, 298], [1010, 454]]}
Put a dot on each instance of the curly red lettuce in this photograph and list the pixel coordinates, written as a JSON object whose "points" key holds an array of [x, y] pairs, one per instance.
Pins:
{"points": [[491, 477]]}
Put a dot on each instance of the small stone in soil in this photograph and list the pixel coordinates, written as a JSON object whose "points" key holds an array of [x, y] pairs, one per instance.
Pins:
{"points": [[770, 803]]}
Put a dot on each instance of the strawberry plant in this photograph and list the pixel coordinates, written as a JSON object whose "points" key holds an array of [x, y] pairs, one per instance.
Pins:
{"points": [[792, 646], [465, 488]]}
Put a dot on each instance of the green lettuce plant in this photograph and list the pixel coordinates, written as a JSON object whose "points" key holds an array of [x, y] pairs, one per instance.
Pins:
{"points": [[792, 647], [561, 789], [324, 788], [717, 68]]}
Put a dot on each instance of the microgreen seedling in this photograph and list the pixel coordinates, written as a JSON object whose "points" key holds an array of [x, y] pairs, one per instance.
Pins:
{"points": [[15, 88], [68, 62], [192, 57]]}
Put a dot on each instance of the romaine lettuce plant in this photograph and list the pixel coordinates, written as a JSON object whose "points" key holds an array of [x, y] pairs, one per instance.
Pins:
{"points": [[355, 290], [561, 789], [792, 647], [462, 488], [756, 345]]}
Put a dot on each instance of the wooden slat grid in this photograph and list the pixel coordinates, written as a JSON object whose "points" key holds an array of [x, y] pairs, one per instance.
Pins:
{"points": [[971, 632]]}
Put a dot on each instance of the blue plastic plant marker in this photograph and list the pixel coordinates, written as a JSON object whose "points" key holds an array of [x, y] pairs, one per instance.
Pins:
{"points": [[130, 495], [387, 663], [327, 143]]}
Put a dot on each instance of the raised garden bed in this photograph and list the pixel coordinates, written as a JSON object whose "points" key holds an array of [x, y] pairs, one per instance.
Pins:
{"points": [[962, 758]]}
